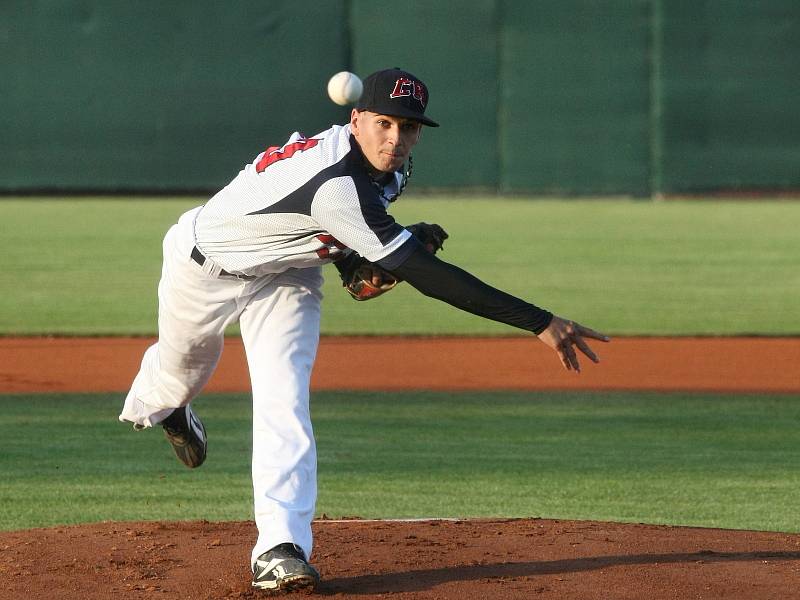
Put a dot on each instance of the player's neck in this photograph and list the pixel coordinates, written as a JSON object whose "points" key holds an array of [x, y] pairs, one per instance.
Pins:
{"points": [[379, 177]]}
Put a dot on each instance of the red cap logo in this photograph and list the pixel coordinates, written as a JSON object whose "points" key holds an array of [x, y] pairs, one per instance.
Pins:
{"points": [[408, 87]]}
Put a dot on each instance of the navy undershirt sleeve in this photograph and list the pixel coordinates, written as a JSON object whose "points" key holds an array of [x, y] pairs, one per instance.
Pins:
{"points": [[448, 283]]}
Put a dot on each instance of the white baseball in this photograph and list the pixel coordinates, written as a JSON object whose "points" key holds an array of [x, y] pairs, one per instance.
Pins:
{"points": [[345, 88]]}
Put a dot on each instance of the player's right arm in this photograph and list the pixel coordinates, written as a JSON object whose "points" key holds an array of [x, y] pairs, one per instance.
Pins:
{"points": [[451, 284], [446, 282]]}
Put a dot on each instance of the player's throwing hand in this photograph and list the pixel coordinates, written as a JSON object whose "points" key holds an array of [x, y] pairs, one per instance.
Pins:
{"points": [[564, 336]]}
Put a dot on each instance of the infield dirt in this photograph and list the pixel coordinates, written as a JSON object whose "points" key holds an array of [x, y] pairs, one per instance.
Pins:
{"points": [[497, 559], [694, 364]]}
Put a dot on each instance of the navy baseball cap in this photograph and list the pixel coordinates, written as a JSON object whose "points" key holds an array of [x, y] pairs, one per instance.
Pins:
{"points": [[396, 93]]}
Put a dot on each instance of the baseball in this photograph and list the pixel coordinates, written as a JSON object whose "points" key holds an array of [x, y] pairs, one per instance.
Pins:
{"points": [[345, 88]]}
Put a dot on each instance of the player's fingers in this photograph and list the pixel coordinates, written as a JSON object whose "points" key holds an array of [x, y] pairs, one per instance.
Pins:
{"points": [[584, 347], [591, 333], [563, 358], [571, 357], [379, 277]]}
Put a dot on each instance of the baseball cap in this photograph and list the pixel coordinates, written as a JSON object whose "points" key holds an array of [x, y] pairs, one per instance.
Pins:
{"points": [[396, 93]]}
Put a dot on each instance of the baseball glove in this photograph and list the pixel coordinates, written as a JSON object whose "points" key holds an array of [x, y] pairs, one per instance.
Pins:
{"points": [[364, 280]]}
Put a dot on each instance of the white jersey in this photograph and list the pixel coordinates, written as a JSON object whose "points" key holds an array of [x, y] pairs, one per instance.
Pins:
{"points": [[300, 205]]}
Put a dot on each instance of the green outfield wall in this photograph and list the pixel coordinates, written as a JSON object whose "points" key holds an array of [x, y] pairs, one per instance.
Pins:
{"points": [[729, 95], [569, 97]]}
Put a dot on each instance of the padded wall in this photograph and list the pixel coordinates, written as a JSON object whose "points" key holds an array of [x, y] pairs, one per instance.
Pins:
{"points": [[565, 97], [731, 95], [148, 96]]}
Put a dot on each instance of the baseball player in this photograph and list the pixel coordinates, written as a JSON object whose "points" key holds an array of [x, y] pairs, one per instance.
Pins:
{"points": [[253, 254]]}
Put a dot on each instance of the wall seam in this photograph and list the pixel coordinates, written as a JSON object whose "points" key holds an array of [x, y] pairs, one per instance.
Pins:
{"points": [[500, 102], [656, 158]]}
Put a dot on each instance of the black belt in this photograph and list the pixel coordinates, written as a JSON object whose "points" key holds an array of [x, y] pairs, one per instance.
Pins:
{"points": [[198, 257]]}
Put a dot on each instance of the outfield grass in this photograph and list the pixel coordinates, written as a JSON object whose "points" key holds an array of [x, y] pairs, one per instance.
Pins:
{"points": [[706, 460], [90, 266]]}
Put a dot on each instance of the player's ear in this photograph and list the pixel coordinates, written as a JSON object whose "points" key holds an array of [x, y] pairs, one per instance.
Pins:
{"points": [[354, 120], [417, 135]]}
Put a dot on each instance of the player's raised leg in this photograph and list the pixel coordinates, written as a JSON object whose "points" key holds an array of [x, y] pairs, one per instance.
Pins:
{"points": [[194, 310]]}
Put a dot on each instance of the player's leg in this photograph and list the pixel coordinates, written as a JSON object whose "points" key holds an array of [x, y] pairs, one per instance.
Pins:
{"points": [[194, 309], [280, 329]]}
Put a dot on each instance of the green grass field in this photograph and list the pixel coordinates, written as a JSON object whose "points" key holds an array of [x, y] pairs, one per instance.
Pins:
{"points": [[90, 266], [635, 457]]}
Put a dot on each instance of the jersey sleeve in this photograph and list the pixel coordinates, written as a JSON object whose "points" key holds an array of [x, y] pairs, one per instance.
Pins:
{"points": [[449, 283], [357, 218]]}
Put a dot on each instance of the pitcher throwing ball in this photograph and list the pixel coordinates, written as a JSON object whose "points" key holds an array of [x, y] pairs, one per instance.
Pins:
{"points": [[253, 254]]}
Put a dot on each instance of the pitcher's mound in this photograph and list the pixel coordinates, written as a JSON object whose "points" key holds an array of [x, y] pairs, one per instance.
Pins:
{"points": [[459, 560]]}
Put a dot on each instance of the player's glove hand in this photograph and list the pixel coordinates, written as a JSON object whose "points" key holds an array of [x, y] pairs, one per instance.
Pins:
{"points": [[362, 279], [370, 281]]}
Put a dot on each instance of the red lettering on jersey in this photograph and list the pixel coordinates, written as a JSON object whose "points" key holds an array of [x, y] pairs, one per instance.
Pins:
{"points": [[330, 244], [275, 153]]}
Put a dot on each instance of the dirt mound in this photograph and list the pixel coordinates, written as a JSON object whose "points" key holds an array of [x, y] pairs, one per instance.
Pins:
{"points": [[497, 559]]}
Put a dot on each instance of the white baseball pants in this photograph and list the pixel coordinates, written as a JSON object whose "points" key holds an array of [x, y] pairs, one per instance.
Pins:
{"points": [[279, 317]]}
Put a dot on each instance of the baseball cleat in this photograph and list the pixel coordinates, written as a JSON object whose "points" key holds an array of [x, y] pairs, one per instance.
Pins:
{"points": [[187, 435], [284, 569]]}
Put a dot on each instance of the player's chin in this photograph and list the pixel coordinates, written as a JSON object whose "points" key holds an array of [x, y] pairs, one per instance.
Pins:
{"points": [[392, 162]]}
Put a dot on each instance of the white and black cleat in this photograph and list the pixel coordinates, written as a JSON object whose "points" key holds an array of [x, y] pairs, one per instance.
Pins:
{"points": [[284, 569], [187, 435]]}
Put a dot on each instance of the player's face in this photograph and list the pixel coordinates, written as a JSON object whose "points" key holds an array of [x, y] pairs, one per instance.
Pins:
{"points": [[386, 141]]}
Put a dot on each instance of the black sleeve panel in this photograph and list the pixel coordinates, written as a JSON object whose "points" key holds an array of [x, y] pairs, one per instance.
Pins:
{"points": [[448, 283], [394, 259]]}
